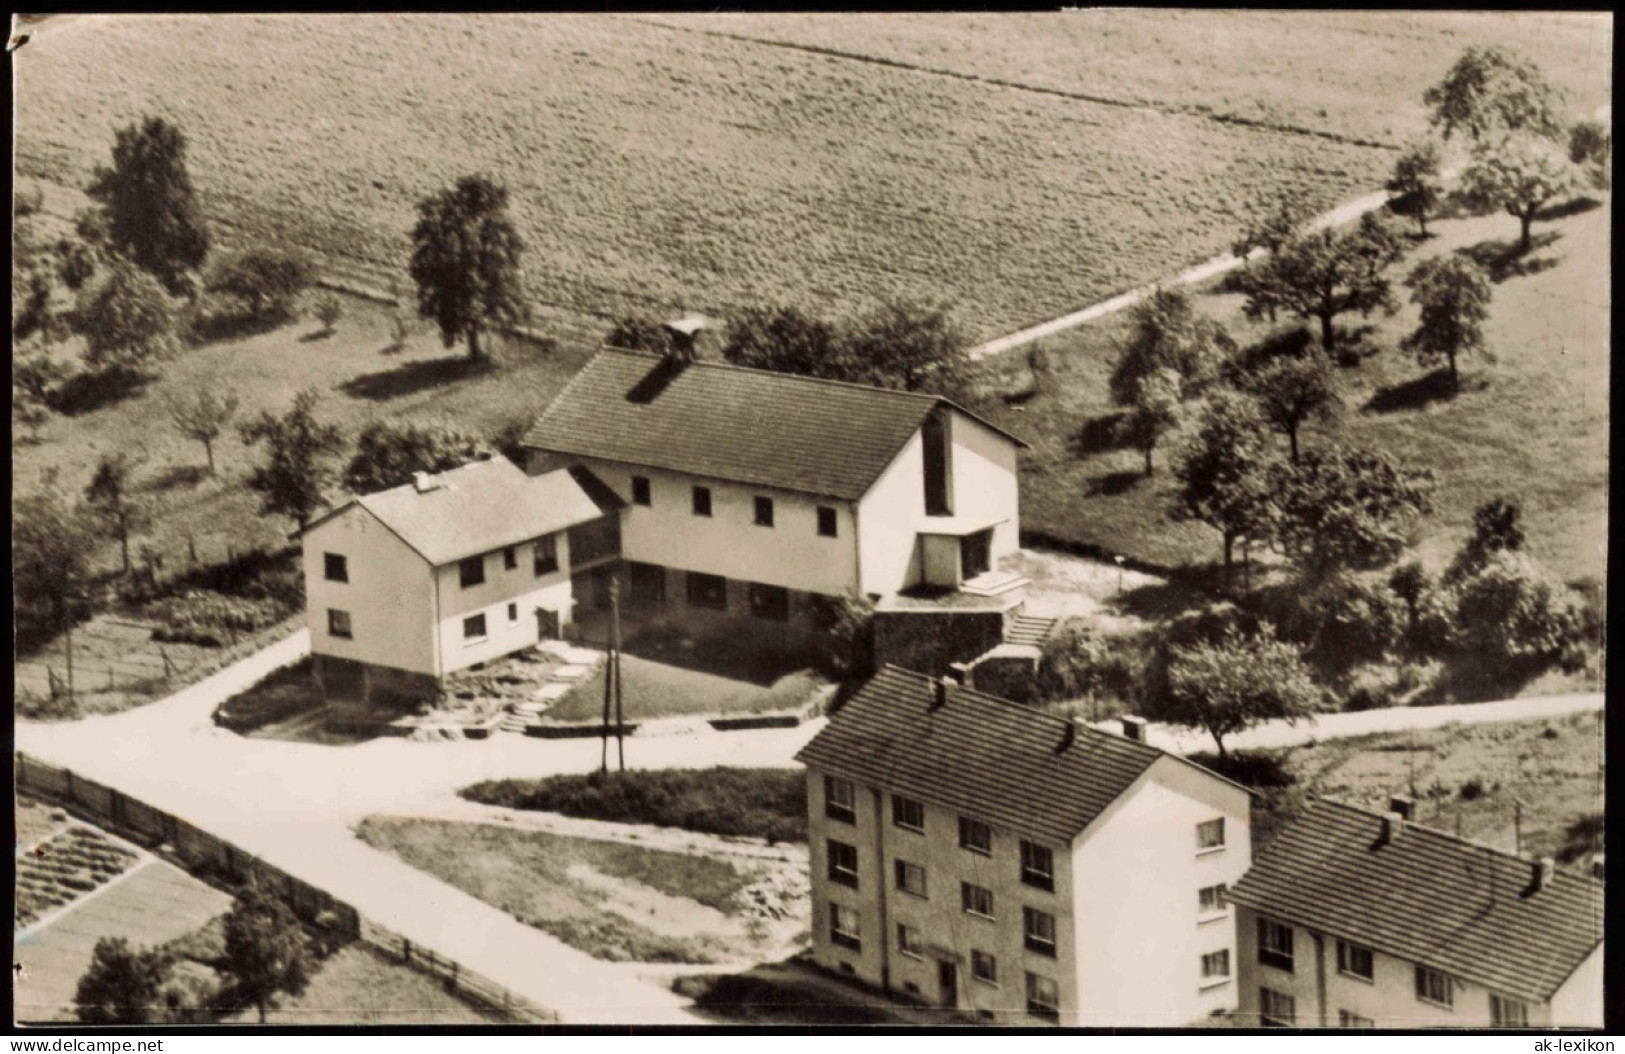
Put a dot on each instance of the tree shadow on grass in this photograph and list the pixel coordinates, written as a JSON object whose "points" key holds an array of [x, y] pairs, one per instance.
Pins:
{"points": [[315, 336], [177, 476], [1158, 600], [228, 326], [1420, 392], [92, 390], [1113, 483], [1098, 435], [412, 378], [1504, 260], [1572, 207]]}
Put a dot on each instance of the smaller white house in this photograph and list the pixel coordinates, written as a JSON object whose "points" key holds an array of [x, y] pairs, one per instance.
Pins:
{"points": [[1354, 918], [407, 585]]}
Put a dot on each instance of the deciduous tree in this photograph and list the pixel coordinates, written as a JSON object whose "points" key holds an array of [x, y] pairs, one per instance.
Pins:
{"points": [[266, 280], [908, 346], [1497, 528], [1292, 389], [127, 321], [1493, 89], [1154, 413], [1348, 510], [329, 309], [1226, 471], [150, 213], [1415, 185], [1169, 333], [1325, 273], [786, 339], [389, 452], [1517, 174], [52, 544], [1454, 294], [465, 261], [1511, 618], [203, 413], [121, 985], [641, 333], [111, 499], [1228, 686], [267, 952], [298, 448]]}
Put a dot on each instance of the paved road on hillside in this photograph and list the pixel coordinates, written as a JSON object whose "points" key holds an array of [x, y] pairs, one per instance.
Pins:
{"points": [[295, 804]]}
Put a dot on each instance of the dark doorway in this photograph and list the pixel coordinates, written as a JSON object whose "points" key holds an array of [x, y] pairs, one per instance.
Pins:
{"points": [[975, 554], [547, 624], [948, 982]]}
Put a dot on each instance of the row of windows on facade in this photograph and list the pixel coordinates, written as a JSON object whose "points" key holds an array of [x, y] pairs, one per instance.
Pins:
{"points": [[1359, 962], [700, 497], [1043, 995], [840, 803], [470, 572]]}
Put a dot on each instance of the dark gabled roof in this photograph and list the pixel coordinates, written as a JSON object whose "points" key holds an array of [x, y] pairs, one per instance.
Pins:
{"points": [[986, 757], [1428, 897], [727, 422], [477, 508]]}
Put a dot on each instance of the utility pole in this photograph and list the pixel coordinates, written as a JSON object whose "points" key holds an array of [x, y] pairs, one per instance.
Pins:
{"points": [[615, 660], [609, 676]]}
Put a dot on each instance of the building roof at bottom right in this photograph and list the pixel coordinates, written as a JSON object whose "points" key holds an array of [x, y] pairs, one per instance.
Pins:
{"points": [[1468, 909]]}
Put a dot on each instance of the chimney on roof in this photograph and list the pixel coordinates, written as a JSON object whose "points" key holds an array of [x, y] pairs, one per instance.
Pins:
{"points": [[424, 482], [960, 672], [1597, 868], [1540, 875], [1134, 728], [1068, 737], [939, 692], [1392, 824], [1404, 806]]}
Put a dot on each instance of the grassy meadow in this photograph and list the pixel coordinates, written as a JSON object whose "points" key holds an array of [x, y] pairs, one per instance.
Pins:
{"points": [[1532, 425], [651, 168]]}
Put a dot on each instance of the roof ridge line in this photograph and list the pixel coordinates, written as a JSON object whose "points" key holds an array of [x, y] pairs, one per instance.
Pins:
{"points": [[784, 374]]}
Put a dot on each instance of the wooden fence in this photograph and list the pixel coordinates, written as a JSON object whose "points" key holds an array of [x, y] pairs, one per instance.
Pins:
{"points": [[206, 855]]}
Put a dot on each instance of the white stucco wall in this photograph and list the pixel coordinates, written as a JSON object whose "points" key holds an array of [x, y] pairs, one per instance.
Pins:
{"points": [[388, 595], [889, 519], [1578, 1003], [520, 587], [985, 480], [1137, 922], [1388, 999], [791, 553]]}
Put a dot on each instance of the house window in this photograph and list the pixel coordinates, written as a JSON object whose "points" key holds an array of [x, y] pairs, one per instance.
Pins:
{"points": [[640, 491], [471, 572], [545, 555], [1210, 835], [769, 602], [984, 967], [843, 927], [648, 582], [474, 627], [1276, 1009], [513, 612], [1354, 960], [1216, 965], [702, 501], [910, 877], [826, 521], [1043, 997], [1508, 1013], [1038, 931], [976, 900], [843, 863], [840, 799], [510, 558], [1210, 900], [1037, 866], [1275, 944], [338, 624], [907, 813], [908, 940], [764, 512], [1349, 1019], [1433, 986], [934, 439], [975, 836], [707, 591], [335, 568]]}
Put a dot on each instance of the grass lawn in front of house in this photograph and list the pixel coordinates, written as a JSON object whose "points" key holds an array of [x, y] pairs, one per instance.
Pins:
{"points": [[612, 900], [357, 985], [651, 689]]}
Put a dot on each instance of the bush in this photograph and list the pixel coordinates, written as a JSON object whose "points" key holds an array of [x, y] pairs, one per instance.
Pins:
{"points": [[1472, 790], [1371, 687], [847, 624], [212, 620], [282, 695], [1583, 836], [1078, 662], [757, 803], [1352, 619], [1257, 770], [1514, 621], [329, 309], [266, 282]]}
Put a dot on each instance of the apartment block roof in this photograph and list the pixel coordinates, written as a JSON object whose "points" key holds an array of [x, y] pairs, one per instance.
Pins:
{"points": [[1468, 909], [804, 434], [479, 507], [991, 759]]}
